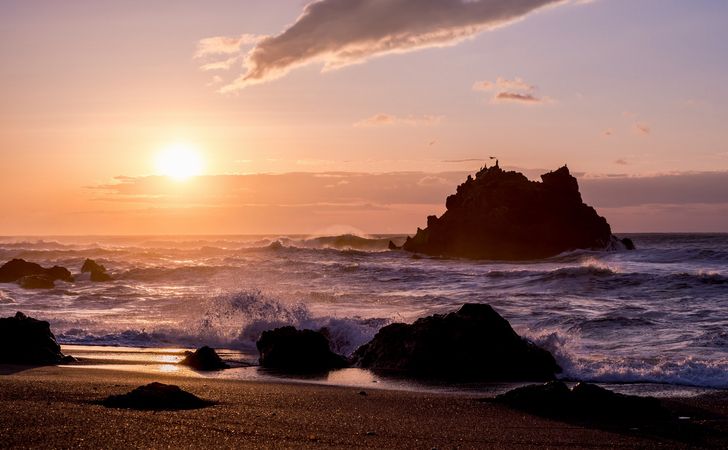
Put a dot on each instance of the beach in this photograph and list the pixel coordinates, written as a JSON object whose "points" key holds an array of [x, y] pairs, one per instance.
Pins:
{"points": [[648, 323], [55, 407]]}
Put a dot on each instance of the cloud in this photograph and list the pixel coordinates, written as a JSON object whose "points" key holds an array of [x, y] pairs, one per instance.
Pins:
{"points": [[675, 189], [382, 119], [510, 91], [503, 84], [642, 128], [382, 202], [225, 64], [621, 162], [517, 97], [224, 45], [480, 160], [339, 33]]}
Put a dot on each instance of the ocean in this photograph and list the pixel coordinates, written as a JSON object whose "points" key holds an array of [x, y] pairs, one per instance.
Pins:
{"points": [[655, 315]]}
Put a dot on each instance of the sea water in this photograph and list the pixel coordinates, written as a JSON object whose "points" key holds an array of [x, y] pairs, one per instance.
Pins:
{"points": [[658, 314]]}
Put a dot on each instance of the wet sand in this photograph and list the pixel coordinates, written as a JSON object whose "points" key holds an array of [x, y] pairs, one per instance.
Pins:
{"points": [[55, 407]]}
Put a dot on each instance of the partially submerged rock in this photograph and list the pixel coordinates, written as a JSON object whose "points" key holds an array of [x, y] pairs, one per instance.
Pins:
{"points": [[472, 344], [36, 282], [297, 351], [584, 401], [16, 269], [98, 271], [503, 215], [204, 358], [158, 397], [24, 340]]}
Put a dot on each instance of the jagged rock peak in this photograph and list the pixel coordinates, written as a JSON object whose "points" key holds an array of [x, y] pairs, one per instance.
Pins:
{"points": [[503, 215]]}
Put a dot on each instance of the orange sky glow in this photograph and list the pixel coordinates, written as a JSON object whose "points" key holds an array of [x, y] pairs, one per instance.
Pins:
{"points": [[289, 117]]}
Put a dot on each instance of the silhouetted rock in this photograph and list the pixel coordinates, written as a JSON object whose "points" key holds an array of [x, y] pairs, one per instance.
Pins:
{"points": [[24, 340], [157, 397], [628, 244], [16, 269], [504, 216], [584, 401], [473, 344], [290, 350], [36, 282], [393, 246], [204, 358], [98, 271]]}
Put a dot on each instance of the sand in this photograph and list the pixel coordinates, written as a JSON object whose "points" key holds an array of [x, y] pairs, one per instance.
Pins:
{"points": [[55, 407]]}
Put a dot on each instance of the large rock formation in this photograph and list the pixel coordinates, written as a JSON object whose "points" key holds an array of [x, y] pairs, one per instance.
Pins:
{"points": [[472, 344], [505, 216], [297, 351], [16, 269], [24, 340]]}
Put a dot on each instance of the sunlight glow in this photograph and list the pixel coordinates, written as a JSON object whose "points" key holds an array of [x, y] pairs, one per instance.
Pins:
{"points": [[179, 161]]}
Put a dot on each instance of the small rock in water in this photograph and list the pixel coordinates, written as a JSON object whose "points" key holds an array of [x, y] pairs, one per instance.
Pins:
{"points": [[156, 397], [98, 271], [204, 358], [36, 282], [297, 351]]}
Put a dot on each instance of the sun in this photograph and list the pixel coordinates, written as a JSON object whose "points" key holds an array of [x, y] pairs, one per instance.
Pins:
{"points": [[179, 161]]}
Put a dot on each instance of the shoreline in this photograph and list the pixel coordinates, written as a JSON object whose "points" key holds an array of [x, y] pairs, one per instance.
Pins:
{"points": [[153, 360], [54, 406]]}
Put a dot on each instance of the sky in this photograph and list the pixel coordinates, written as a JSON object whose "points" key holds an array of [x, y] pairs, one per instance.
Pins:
{"points": [[354, 115]]}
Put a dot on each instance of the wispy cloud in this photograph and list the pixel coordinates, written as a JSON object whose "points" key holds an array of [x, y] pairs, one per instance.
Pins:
{"points": [[224, 45], [339, 33], [510, 90], [503, 85], [517, 97], [642, 128], [383, 119]]}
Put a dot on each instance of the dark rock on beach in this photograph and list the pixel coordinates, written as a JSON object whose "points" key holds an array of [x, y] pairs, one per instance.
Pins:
{"points": [[16, 269], [204, 358], [98, 271], [503, 215], [585, 401], [24, 340], [156, 397], [472, 344], [297, 351]]}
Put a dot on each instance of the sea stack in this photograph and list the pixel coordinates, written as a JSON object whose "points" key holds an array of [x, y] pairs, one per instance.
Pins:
{"points": [[502, 215]]}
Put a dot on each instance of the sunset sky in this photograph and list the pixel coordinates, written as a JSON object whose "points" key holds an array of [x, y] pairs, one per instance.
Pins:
{"points": [[354, 115]]}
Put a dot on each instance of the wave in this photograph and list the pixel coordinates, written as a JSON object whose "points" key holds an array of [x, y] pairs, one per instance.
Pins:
{"points": [[151, 274], [232, 321], [5, 298], [686, 371], [689, 371], [611, 323]]}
